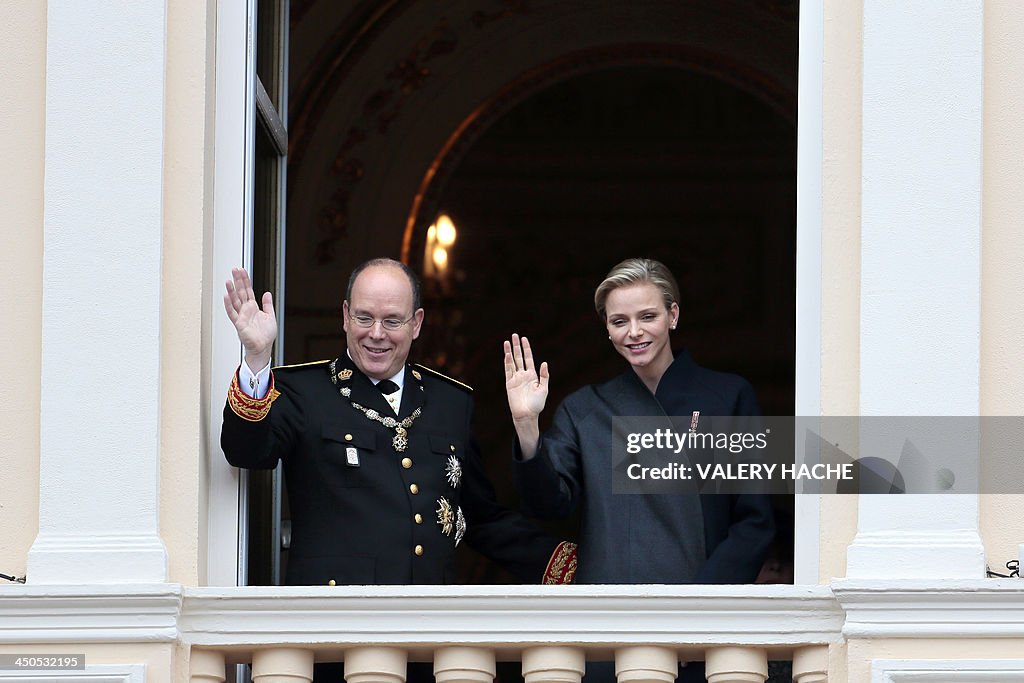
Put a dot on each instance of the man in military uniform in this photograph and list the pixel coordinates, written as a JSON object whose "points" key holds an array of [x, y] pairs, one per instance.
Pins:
{"points": [[383, 478]]}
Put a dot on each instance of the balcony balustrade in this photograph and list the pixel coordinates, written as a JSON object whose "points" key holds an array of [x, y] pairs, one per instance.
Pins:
{"points": [[552, 630]]}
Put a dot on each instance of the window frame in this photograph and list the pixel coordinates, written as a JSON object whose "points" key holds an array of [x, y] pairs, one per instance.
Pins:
{"points": [[232, 163]]}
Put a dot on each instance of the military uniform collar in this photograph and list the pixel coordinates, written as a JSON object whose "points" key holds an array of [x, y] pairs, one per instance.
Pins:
{"points": [[398, 378], [413, 395], [363, 390]]}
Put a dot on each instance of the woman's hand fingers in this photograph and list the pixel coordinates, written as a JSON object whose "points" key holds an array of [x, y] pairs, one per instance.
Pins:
{"points": [[527, 355], [510, 364], [517, 351]]}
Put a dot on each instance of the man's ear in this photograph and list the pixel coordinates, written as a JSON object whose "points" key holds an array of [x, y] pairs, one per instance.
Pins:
{"points": [[417, 322], [344, 316]]}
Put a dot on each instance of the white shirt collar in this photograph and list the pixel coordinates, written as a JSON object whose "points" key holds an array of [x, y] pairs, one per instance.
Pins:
{"points": [[398, 378]]}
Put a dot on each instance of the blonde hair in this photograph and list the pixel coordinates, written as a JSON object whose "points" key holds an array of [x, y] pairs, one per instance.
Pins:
{"points": [[636, 271]]}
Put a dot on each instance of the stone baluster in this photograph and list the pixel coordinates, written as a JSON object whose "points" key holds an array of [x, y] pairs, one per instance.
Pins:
{"points": [[736, 665], [553, 664], [464, 665], [206, 666], [810, 664], [646, 664], [375, 665], [282, 665]]}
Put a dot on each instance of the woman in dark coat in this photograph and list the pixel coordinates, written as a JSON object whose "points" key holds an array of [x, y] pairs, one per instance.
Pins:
{"points": [[635, 538]]}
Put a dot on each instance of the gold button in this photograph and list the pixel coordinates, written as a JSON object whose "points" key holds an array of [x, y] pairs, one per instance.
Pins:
{"points": [[331, 583], [418, 550], [406, 463], [414, 489], [348, 437], [419, 518], [452, 447]]}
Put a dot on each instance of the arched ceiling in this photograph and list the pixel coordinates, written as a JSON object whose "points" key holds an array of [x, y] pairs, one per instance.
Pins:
{"points": [[377, 90]]}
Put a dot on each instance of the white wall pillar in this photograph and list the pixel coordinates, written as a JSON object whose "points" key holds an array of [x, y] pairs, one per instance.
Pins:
{"points": [[99, 412], [920, 265]]}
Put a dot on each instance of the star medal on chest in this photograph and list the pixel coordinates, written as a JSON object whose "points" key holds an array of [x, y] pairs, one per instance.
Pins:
{"points": [[460, 525], [453, 471], [445, 516], [451, 519], [400, 442]]}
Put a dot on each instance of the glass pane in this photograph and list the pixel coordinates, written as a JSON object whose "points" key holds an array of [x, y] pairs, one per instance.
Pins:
{"points": [[271, 23]]}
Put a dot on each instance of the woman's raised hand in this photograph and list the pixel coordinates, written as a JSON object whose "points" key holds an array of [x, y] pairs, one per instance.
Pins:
{"points": [[527, 391]]}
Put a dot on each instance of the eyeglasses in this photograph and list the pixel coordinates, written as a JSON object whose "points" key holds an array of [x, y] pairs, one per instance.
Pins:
{"points": [[390, 324]]}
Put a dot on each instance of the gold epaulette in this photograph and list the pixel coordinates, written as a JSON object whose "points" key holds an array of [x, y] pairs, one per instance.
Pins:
{"points": [[300, 365], [245, 406], [562, 565], [450, 380]]}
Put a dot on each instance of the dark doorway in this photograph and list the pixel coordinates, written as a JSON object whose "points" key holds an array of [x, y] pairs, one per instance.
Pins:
{"points": [[633, 161], [665, 129]]}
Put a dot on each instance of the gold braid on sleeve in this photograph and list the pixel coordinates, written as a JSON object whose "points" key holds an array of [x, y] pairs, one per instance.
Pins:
{"points": [[247, 407], [562, 565]]}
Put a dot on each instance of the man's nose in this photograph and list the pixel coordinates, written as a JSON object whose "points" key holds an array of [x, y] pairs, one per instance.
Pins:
{"points": [[377, 330]]}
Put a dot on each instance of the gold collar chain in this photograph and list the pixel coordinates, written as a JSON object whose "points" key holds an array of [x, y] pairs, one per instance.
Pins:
{"points": [[401, 438]]}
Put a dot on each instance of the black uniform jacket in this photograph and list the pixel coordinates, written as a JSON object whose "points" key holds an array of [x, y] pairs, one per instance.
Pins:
{"points": [[573, 466], [364, 512]]}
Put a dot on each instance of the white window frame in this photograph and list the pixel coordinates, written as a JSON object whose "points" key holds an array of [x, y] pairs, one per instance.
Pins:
{"points": [[234, 122]]}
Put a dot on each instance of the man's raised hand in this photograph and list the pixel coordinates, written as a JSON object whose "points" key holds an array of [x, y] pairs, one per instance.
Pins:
{"points": [[257, 329]]}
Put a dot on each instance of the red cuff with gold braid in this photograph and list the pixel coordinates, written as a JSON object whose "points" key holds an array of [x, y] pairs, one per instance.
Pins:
{"points": [[562, 565], [247, 407]]}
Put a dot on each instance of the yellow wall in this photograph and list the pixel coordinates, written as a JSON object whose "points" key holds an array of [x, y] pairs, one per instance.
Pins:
{"points": [[22, 109], [863, 652], [158, 658], [840, 257], [182, 442], [1002, 312]]}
